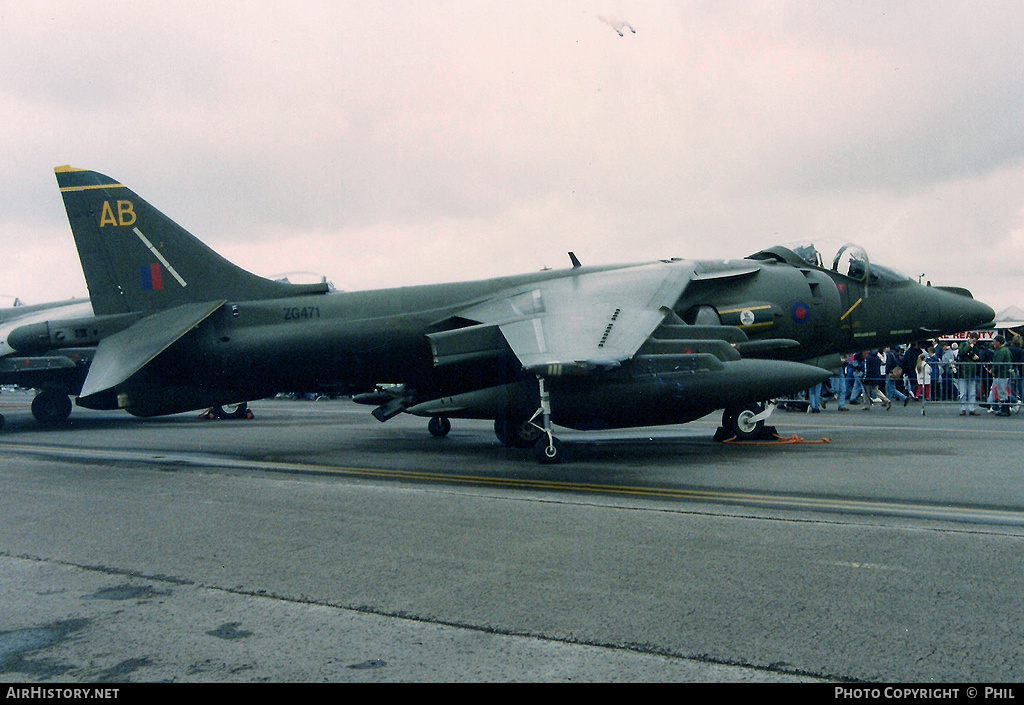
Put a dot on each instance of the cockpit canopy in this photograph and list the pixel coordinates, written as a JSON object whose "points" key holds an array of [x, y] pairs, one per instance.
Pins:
{"points": [[847, 259]]}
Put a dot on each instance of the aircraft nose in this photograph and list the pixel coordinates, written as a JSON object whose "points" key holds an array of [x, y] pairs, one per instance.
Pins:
{"points": [[963, 312]]}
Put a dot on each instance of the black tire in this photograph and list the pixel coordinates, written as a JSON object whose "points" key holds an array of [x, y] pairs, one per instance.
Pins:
{"points": [[439, 426], [549, 453], [738, 424], [231, 411], [516, 432], [51, 407]]}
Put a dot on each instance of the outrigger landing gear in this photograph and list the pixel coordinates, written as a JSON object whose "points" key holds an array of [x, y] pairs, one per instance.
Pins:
{"points": [[228, 411], [232, 411], [548, 449]]}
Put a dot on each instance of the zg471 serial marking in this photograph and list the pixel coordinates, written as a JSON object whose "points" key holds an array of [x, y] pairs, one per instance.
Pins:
{"points": [[304, 313]]}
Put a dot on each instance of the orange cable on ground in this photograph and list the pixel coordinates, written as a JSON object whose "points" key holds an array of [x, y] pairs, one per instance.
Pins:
{"points": [[780, 441]]}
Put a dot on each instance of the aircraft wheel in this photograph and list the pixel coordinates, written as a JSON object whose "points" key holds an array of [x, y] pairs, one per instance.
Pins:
{"points": [[548, 453], [51, 407], [516, 432], [439, 426], [231, 411], [738, 422]]}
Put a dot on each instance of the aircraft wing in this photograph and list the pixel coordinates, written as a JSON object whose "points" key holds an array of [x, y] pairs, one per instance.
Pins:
{"points": [[121, 355], [585, 321]]}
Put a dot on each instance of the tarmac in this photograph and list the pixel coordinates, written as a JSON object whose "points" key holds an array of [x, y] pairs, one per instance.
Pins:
{"points": [[313, 544]]}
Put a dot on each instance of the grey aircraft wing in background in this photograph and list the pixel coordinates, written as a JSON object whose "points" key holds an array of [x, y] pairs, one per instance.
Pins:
{"points": [[56, 371]]}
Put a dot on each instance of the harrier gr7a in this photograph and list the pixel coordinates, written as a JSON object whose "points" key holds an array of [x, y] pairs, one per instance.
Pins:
{"points": [[586, 347]]}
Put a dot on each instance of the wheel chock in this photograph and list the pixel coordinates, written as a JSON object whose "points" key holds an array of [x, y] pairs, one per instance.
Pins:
{"points": [[767, 433]]}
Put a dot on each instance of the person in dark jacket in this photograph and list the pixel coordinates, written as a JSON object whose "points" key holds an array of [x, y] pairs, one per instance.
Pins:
{"points": [[892, 364], [1017, 376], [872, 379], [1002, 368], [968, 362]]}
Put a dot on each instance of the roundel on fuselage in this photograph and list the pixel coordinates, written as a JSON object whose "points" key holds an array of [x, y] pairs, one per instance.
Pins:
{"points": [[800, 313]]}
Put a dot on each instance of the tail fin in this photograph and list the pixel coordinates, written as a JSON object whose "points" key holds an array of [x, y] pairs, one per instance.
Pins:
{"points": [[136, 259]]}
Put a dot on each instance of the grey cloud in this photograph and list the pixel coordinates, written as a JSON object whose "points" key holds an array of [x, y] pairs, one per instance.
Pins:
{"points": [[714, 130]]}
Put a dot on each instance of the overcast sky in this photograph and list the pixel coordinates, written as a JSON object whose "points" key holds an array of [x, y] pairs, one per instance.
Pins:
{"points": [[392, 143]]}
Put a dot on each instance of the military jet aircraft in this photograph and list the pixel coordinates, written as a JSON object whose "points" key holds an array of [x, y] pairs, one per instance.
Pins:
{"points": [[584, 347]]}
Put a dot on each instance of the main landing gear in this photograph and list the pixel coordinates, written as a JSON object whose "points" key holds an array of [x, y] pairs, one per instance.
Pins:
{"points": [[516, 431]]}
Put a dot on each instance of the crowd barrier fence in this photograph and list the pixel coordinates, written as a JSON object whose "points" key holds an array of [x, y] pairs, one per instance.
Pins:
{"points": [[942, 385]]}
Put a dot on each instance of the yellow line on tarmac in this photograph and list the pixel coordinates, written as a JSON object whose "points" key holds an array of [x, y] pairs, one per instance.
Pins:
{"points": [[941, 512]]}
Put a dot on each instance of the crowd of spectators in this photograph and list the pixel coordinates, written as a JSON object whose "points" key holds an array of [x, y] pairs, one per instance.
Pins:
{"points": [[976, 374]]}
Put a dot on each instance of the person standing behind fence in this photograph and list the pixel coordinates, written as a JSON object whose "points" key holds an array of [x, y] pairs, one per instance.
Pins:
{"points": [[1001, 364], [968, 358], [910, 356], [985, 372], [1017, 373], [839, 384], [934, 362], [873, 378], [893, 372], [947, 355], [856, 366], [953, 372], [924, 374]]}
